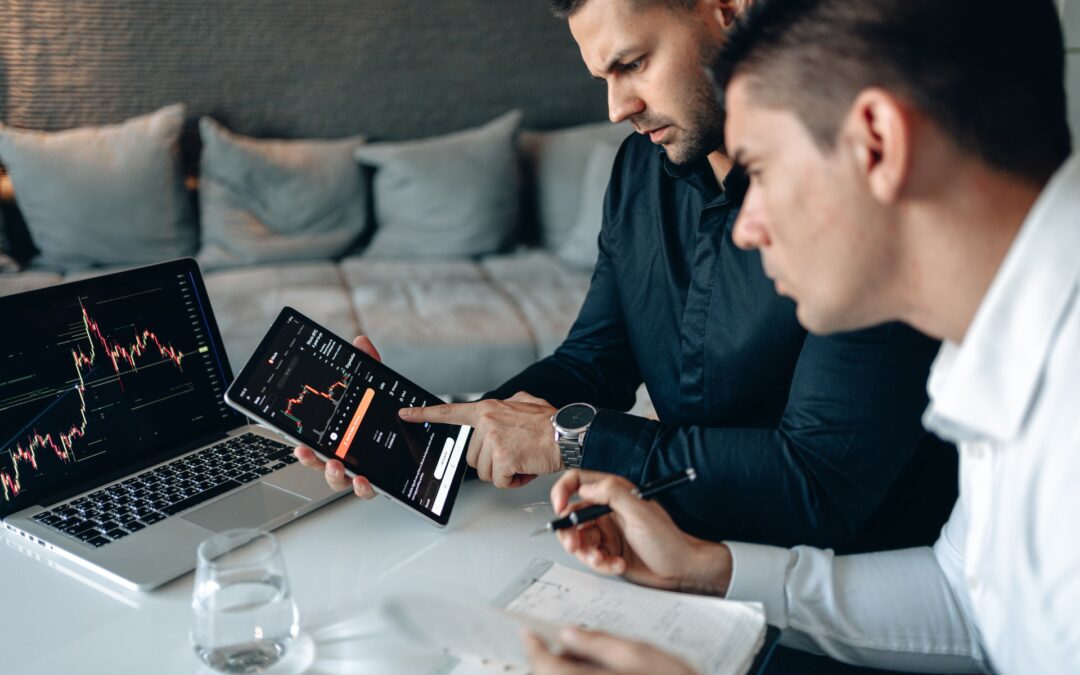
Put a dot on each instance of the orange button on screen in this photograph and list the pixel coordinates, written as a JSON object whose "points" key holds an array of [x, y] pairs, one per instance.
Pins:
{"points": [[350, 433]]}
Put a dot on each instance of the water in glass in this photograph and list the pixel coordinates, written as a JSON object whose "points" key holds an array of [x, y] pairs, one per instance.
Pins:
{"points": [[244, 616]]}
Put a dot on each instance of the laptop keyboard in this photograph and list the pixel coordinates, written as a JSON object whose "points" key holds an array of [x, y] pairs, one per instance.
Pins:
{"points": [[131, 505]]}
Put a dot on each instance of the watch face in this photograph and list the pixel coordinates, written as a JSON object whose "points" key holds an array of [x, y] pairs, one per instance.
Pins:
{"points": [[575, 416]]}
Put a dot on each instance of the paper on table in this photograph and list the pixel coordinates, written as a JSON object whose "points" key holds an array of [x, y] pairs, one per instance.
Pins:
{"points": [[480, 636], [715, 636]]}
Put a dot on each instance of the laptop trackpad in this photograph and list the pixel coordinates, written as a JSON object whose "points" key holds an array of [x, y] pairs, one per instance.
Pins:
{"points": [[253, 506]]}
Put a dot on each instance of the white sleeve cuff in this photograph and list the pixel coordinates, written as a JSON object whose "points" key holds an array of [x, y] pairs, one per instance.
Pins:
{"points": [[759, 574]]}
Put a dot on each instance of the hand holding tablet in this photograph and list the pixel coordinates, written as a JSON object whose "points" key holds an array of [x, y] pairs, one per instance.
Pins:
{"points": [[340, 401], [333, 470]]}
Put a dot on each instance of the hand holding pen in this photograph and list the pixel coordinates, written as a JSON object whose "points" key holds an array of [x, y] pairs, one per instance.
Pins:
{"points": [[647, 491], [639, 540]]}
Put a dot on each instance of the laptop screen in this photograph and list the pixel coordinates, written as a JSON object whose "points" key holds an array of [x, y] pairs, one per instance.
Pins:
{"points": [[100, 375]]}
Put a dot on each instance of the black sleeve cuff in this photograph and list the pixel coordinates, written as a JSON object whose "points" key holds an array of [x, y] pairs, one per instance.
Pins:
{"points": [[619, 443]]}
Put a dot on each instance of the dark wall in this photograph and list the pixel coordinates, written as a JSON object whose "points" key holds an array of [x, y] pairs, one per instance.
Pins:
{"points": [[390, 69]]}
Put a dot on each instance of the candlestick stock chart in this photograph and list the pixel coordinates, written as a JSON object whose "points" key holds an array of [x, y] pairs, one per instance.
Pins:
{"points": [[320, 405], [98, 377]]}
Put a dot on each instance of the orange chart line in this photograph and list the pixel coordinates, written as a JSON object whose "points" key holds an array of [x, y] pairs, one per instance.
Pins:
{"points": [[350, 432]]}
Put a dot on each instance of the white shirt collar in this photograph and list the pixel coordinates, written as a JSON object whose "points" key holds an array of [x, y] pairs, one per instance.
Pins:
{"points": [[983, 388]]}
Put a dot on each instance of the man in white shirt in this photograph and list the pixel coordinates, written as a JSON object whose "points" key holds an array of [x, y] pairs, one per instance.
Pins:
{"points": [[909, 160]]}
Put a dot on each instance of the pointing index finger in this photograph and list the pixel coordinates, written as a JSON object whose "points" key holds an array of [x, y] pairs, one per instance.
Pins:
{"points": [[446, 413]]}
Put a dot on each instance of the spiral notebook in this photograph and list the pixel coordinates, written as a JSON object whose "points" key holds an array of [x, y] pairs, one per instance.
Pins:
{"points": [[716, 636]]}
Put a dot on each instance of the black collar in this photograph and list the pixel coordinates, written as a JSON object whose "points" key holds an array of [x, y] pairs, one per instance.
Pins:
{"points": [[699, 175]]}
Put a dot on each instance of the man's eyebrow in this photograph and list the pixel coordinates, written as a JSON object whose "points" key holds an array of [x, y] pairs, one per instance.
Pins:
{"points": [[614, 61]]}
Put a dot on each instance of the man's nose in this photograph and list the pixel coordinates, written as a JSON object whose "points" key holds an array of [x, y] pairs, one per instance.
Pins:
{"points": [[623, 103], [750, 232]]}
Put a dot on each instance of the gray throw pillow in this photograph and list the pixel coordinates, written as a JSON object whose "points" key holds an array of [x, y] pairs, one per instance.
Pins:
{"points": [[557, 160], [107, 195], [580, 247], [453, 196], [268, 201]]}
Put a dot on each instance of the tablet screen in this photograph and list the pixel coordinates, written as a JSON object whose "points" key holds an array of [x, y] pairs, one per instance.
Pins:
{"points": [[317, 388]]}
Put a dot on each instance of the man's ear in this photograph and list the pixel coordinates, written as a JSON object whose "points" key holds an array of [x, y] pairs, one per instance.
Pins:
{"points": [[878, 134], [727, 11]]}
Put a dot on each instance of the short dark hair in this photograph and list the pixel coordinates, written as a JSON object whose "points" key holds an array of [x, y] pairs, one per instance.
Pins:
{"points": [[564, 8], [989, 73]]}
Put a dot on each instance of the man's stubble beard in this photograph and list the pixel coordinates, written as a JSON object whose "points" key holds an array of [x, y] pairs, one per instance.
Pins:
{"points": [[704, 132]]}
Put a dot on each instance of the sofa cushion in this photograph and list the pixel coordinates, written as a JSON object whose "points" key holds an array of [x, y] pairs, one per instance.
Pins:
{"points": [[531, 266], [442, 325], [79, 275], [265, 201], [103, 195], [579, 249], [361, 269], [557, 161], [454, 196], [549, 295], [547, 292], [11, 284], [247, 300]]}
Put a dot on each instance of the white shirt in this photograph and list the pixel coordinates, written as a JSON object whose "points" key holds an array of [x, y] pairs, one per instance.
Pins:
{"points": [[1000, 590]]}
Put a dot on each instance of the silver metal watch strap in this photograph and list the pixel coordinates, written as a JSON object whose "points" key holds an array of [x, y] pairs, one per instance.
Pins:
{"points": [[570, 448]]}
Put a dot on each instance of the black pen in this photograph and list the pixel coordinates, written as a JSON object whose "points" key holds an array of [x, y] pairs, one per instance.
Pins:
{"points": [[646, 491]]}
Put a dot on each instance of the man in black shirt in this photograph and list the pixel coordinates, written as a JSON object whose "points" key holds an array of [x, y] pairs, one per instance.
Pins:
{"points": [[796, 439]]}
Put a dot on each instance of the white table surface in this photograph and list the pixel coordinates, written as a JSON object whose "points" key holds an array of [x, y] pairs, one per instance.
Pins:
{"points": [[340, 560]]}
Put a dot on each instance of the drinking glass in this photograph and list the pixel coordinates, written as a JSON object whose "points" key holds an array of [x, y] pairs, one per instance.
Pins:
{"points": [[244, 616]]}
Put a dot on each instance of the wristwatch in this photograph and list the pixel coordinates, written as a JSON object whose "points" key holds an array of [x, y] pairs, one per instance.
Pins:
{"points": [[571, 422]]}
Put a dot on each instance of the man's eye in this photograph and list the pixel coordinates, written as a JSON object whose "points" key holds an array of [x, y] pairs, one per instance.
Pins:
{"points": [[633, 65], [749, 172]]}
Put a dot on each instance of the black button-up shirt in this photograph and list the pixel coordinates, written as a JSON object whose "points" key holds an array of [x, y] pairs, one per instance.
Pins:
{"points": [[796, 439]]}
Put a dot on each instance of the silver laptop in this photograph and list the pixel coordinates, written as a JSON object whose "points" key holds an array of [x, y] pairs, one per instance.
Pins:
{"points": [[116, 448]]}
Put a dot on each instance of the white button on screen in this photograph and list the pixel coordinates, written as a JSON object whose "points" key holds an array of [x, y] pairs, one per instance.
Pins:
{"points": [[440, 468]]}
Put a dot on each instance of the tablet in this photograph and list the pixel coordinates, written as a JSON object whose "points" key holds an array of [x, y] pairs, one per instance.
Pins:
{"points": [[320, 391]]}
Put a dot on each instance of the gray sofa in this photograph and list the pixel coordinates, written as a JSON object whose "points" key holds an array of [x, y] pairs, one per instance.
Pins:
{"points": [[453, 325]]}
